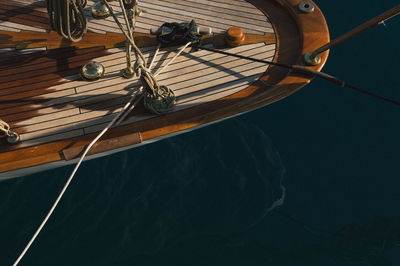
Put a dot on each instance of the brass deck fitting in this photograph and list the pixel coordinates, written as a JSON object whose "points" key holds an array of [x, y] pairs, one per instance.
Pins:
{"points": [[92, 71], [100, 10]]}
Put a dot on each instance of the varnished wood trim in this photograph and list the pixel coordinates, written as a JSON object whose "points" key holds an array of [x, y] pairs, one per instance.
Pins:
{"points": [[311, 32], [103, 145]]}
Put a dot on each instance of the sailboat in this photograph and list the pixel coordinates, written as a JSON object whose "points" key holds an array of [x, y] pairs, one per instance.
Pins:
{"points": [[71, 89], [60, 88], [56, 113]]}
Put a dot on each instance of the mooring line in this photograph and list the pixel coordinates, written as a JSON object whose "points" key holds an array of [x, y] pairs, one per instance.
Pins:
{"points": [[132, 103]]}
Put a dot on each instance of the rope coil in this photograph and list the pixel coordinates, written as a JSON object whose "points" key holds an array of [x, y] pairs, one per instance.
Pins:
{"points": [[67, 18]]}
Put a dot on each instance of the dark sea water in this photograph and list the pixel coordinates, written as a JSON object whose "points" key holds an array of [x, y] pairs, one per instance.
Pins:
{"points": [[327, 158]]}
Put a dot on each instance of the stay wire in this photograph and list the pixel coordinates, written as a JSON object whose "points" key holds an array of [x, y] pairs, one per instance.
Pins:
{"points": [[305, 71]]}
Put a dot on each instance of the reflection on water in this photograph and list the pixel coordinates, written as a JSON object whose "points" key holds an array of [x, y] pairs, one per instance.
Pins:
{"points": [[190, 200], [157, 199]]}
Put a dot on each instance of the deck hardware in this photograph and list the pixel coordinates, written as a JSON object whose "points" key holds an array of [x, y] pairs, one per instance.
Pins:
{"points": [[100, 10], [5, 130], [14, 138], [160, 102], [235, 36], [312, 60], [306, 7], [92, 71], [138, 11], [130, 15]]}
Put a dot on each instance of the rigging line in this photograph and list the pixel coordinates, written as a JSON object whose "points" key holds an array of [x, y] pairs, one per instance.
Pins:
{"points": [[155, 75], [69, 181], [383, 21], [354, 32], [132, 103], [131, 107], [305, 71]]}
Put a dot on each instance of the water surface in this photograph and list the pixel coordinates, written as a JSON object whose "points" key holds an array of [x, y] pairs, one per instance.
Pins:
{"points": [[327, 156]]}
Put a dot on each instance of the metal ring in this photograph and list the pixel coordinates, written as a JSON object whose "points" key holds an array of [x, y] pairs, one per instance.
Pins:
{"points": [[13, 138], [306, 7]]}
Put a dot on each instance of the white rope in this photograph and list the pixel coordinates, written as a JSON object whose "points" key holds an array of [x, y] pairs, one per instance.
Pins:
{"points": [[70, 179], [124, 112], [154, 56], [131, 40], [129, 106], [155, 75]]}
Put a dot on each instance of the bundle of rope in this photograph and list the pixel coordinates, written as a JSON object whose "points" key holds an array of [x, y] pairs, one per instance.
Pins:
{"points": [[158, 99], [67, 18]]}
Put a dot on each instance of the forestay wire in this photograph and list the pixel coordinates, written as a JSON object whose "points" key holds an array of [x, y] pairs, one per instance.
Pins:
{"points": [[306, 71]]}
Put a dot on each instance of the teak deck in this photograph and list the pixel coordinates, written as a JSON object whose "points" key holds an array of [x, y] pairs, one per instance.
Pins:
{"points": [[43, 98]]}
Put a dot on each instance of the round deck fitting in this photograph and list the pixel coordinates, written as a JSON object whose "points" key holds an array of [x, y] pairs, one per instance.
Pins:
{"points": [[306, 7], [312, 61], [92, 71], [14, 138], [235, 36], [100, 10]]}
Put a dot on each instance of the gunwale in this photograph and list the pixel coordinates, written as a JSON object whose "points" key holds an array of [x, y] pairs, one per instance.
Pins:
{"points": [[297, 33]]}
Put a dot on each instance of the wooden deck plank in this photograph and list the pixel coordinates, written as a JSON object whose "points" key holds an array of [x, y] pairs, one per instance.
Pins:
{"points": [[203, 19], [250, 9], [156, 13], [251, 70], [18, 13], [260, 19], [14, 25], [5, 28], [114, 66], [257, 15], [183, 69], [27, 141], [72, 107], [216, 79]]}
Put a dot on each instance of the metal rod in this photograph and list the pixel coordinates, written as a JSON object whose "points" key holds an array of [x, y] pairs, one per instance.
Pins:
{"points": [[369, 24]]}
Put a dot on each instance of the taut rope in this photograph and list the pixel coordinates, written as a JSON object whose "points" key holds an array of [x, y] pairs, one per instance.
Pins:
{"points": [[306, 71], [367, 25], [157, 99], [116, 120]]}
